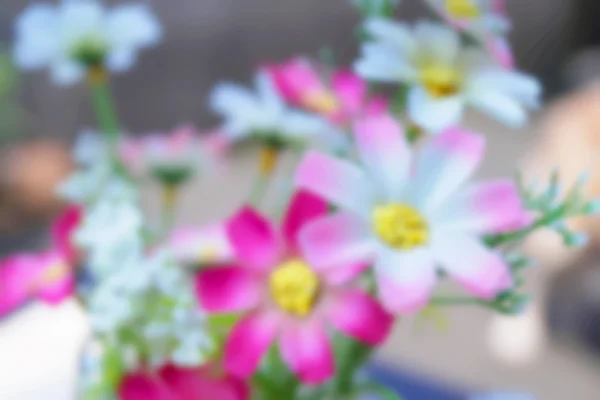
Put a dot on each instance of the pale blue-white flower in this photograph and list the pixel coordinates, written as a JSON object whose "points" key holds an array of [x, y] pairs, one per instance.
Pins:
{"points": [[264, 115], [74, 35], [444, 76]]}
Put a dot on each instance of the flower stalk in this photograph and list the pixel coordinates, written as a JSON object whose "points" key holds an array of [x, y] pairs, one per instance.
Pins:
{"points": [[267, 163], [104, 107]]}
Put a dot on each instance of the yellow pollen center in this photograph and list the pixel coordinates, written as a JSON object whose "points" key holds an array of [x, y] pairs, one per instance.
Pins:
{"points": [[400, 226], [463, 9], [294, 287], [51, 275], [322, 102], [208, 254], [440, 81]]}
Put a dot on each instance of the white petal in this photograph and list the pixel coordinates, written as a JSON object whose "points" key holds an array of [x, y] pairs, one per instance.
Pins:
{"points": [[499, 106], [434, 115], [38, 17], [134, 26], [384, 63], [36, 41], [231, 99], [391, 32], [121, 59], [300, 124], [80, 18], [437, 42], [268, 92], [404, 278], [66, 72]]}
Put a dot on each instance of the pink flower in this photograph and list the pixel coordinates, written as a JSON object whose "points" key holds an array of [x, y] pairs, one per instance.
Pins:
{"points": [[175, 383], [62, 231], [47, 276], [179, 154], [200, 246], [485, 20], [342, 100], [285, 299], [409, 214]]}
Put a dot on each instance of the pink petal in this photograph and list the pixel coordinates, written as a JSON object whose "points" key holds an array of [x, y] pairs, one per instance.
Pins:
{"points": [[63, 229], [404, 279], [295, 80], [501, 51], [228, 289], [340, 182], [249, 341], [303, 208], [254, 240], [360, 316], [336, 240], [490, 207], [480, 270], [198, 384], [305, 348], [55, 279], [351, 90], [202, 245], [17, 275], [345, 273], [444, 164], [377, 106], [385, 153], [144, 387]]}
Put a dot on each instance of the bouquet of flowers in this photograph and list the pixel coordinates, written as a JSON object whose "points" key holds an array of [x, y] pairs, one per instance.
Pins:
{"points": [[288, 302]]}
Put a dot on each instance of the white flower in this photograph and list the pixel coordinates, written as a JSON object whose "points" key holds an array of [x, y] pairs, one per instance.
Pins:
{"points": [[76, 34], [264, 115], [89, 148], [444, 76], [477, 17], [111, 234]]}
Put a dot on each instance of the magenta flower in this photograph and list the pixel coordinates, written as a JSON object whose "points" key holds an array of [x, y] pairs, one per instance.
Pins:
{"points": [[46, 276], [344, 99], [175, 383], [285, 299], [62, 231], [411, 213], [49, 275]]}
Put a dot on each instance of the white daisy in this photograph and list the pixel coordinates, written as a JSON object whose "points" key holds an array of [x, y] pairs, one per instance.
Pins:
{"points": [[76, 34], [264, 115], [443, 75]]}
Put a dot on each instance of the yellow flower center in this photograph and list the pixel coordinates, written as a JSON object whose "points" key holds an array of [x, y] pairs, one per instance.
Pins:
{"points": [[295, 287], [400, 226], [440, 81], [463, 9], [51, 275], [321, 102], [208, 254]]}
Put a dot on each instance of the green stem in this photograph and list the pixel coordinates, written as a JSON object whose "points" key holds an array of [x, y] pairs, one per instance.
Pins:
{"points": [[169, 207], [104, 108], [453, 301], [352, 357], [546, 220], [259, 189]]}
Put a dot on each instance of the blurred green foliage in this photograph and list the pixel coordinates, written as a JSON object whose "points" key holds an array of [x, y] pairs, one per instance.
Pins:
{"points": [[11, 114]]}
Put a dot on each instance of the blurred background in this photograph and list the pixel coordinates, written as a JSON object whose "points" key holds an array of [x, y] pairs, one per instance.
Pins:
{"points": [[553, 350]]}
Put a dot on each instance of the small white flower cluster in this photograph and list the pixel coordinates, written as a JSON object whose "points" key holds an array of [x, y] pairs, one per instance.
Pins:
{"points": [[142, 304], [149, 305]]}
